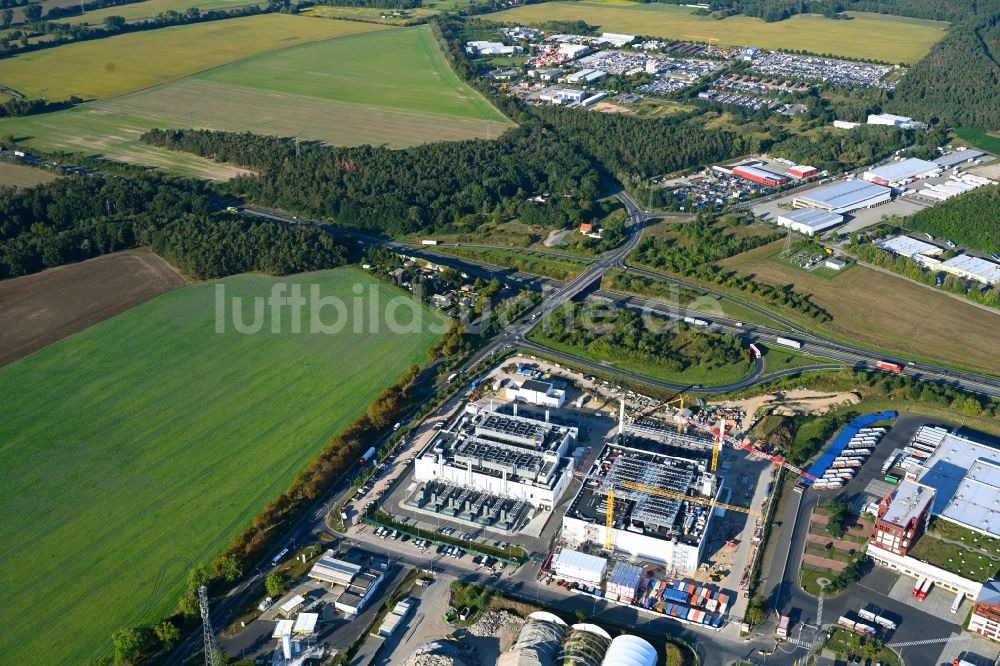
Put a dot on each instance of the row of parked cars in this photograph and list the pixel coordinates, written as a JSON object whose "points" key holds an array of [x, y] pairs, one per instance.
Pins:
{"points": [[572, 585]]}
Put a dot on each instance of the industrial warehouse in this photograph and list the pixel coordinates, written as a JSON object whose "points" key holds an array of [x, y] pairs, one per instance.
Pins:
{"points": [[964, 266], [844, 197], [359, 583], [950, 478], [897, 174], [505, 455], [809, 221], [640, 482]]}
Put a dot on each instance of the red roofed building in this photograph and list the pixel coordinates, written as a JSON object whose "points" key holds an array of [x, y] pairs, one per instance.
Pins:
{"points": [[802, 171]]}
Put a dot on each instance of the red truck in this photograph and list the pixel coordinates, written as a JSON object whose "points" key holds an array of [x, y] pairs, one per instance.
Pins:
{"points": [[925, 588], [890, 367]]}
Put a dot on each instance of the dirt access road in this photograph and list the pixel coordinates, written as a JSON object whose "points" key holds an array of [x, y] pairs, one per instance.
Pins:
{"points": [[37, 310]]}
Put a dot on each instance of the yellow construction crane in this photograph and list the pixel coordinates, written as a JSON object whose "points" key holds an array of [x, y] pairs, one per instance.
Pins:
{"points": [[718, 445], [708, 40], [609, 522], [681, 496], [680, 410]]}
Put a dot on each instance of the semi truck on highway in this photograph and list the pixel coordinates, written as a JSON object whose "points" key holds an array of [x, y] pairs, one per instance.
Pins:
{"points": [[754, 350], [786, 342], [428, 242], [368, 457], [890, 367]]}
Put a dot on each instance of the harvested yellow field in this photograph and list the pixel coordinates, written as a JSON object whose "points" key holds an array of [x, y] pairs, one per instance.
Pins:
{"points": [[116, 65], [880, 310], [889, 38]]}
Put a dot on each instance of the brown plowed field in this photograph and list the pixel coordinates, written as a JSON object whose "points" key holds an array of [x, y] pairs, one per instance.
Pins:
{"points": [[37, 310]]}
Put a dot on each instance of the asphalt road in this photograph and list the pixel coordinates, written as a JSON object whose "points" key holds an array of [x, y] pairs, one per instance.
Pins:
{"points": [[781, 589], [812, 343]]}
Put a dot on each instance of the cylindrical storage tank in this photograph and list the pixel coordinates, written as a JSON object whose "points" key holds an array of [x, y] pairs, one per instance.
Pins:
{"points": [[629, 650]]}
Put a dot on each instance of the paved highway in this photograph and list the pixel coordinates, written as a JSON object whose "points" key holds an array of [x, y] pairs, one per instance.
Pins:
{"points": [[811, 343]]}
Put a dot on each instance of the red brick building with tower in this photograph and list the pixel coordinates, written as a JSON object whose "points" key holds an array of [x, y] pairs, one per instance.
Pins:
{"points": [[903, 516]]}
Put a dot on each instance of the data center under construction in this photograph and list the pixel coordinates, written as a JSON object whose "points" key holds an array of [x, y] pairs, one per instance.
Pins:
{"points": [[656, 527], [505, 455]]}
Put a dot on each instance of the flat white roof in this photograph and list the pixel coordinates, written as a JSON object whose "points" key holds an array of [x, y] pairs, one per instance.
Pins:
{"points": [[843, 194], [902, 170], [945, 469], [987, 270], [757, 171], [909, 500], [574, 559], [305, 623], [890, 116], [951, 159], [976, 503], [908, 246], [292, 603], [283, 628], [814, 218], [332, 569]]}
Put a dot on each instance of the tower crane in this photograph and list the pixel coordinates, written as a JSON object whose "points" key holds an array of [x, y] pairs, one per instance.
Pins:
{"points": [[719, 433], [680, 411], [686, 498], [718, 444], [609, 521]]}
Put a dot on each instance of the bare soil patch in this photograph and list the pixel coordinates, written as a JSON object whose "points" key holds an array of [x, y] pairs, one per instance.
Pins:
{"points": [[37, 310]]}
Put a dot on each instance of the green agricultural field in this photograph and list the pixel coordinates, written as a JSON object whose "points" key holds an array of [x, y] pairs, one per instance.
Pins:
{"points": [[150, 8], [390, 87], [137, 448], [116, 65], [892, 39]]}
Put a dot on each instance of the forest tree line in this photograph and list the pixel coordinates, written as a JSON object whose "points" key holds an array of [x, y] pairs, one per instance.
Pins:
{"points": [[79, 217], [622, 335], [972, 219]]}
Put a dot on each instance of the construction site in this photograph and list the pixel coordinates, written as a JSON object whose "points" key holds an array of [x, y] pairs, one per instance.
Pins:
{"points": [[678, 497]]}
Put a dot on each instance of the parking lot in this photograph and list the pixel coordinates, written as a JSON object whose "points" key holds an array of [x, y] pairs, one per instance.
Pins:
{"points": [[828, 70], [670, 74]]}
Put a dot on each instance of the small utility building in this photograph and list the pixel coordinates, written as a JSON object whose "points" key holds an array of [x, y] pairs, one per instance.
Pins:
{"points": [[581, 567], [535, 392]]}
